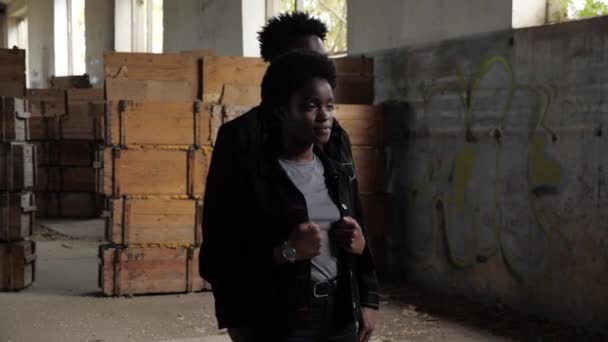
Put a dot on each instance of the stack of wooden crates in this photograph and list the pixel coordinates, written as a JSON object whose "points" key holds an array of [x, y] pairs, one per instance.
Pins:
{"points": [[67, 129], [17, 177], [164, 112], [153, 170]]}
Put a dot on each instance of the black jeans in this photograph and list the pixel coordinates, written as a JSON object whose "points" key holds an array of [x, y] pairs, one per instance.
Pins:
{"points": [[322, 323]]}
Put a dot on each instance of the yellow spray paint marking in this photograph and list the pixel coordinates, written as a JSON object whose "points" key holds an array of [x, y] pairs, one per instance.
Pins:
{"points": [[463, 168], [543, 170]]}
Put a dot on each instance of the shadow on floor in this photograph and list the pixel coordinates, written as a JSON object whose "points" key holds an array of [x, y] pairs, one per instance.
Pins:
{"points": [[498, 320]]}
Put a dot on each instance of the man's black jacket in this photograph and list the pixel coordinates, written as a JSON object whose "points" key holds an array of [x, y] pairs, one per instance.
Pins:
{"points": [[251, 206]]}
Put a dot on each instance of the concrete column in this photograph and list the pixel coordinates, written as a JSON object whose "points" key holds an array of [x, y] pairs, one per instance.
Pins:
{"points": [[40, 42], [99, 36], [204, 24]]}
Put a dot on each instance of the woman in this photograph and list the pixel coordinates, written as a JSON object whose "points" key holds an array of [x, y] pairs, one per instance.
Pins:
{"points": [[283, 247]]}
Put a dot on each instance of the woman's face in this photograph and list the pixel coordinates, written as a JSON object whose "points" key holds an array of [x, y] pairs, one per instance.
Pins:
{"points": [[311, 112]]}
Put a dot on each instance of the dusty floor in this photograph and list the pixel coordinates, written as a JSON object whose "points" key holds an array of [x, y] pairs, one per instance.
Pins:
{"points": [[64, 305]]}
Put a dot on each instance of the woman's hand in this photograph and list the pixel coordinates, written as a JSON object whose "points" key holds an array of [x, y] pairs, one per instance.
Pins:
{"points": [[347, 234]]}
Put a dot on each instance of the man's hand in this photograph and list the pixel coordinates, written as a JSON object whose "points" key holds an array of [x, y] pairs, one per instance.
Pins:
{"points": [[348, 234], [306, 240], [367, 324]]}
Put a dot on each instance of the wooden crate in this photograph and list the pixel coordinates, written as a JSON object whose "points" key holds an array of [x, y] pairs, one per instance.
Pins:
{"points": [[69, 205], [17, 166], [17, 212], [354, 90], [85, 115], [154, 220], [158, 123], [66, 179], [218, 71], [151, 77], [221, 114], [137, 270], [67, 82], [17, 265], [364, 124], [43, 128], [241, 95], [152, 172], [43, 152], [377, 217], [46, 102], [14, 120], [12, 72], [376, 214], [75, 152], [355, 80], [369, 166], [66, 152]]}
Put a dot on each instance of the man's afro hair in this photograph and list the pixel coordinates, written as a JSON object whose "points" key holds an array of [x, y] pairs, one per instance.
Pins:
{"points": [[278, 36]]}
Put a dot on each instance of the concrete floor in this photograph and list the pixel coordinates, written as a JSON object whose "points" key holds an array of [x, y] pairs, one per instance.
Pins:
{"points": [[64, 305]]}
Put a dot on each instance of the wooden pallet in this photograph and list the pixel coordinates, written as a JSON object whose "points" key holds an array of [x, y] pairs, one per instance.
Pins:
{"points": [[17, 166], [17, 265], [12, 72], [17, 212], [175, 172], [14, 120], [143, 221], [148, 270], [69, 204], [158, 123]]}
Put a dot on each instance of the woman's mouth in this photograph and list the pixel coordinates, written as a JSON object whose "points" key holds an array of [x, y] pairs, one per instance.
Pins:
{"points": [[322, 130]]}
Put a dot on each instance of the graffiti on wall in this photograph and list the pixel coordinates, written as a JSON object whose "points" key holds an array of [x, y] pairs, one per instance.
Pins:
{"points": [[472, 216]]}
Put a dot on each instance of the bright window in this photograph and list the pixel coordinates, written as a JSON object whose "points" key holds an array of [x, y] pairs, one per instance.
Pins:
{"points": [[580, 9], [70, 38], [139, 26]]}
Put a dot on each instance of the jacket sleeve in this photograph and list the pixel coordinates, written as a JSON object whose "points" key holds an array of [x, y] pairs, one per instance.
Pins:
{"points": [[367, 278], [230, 252]]}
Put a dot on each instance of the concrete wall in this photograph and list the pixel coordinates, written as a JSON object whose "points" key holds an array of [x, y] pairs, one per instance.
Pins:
{"points": [[404, 22], [99, 36], [499, 170], [203, 24], [41, 61]]}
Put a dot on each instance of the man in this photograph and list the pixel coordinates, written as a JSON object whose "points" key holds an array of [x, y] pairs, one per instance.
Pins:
{"points": [[243, 139]]}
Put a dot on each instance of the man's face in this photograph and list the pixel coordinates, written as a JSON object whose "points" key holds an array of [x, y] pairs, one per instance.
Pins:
{"points": [[311, 112], [310, 42]]}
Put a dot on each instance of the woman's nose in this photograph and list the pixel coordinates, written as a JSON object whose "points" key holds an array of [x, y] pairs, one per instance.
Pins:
{"points": [[323, 115]]}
